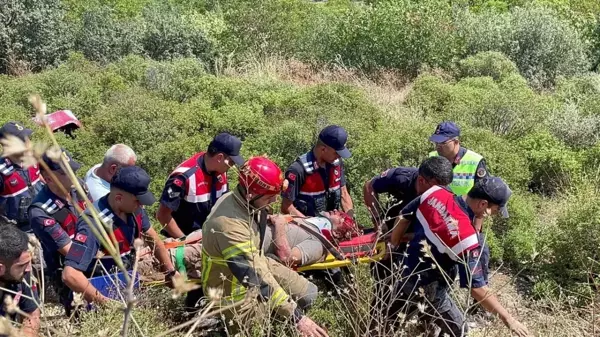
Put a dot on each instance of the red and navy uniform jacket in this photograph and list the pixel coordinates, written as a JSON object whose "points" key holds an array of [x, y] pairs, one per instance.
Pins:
{"points": [[25, 296], [53, 222], [314, 189], [442, 220], [191, 191], [18, 187], [84, 250]]}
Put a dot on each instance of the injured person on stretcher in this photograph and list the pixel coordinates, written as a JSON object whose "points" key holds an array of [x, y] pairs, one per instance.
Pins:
{"points": [[295, 241]]}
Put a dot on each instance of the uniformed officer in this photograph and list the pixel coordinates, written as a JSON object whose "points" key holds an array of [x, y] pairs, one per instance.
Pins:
{"points": [[232, 258], [15, 276], [196, 184], [444, 221], [53, 216], [122, 209], [316, 178], [18, 185], [468, 165], [403, 184]]}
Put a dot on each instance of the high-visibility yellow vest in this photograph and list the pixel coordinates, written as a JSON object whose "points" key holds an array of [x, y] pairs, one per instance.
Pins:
{"points": [[464, 172]]}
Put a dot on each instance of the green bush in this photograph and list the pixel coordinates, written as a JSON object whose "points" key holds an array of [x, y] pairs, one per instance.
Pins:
{"points": [[492, 64], [33, 35], [553, 166], [542, 45], [105, 38]]}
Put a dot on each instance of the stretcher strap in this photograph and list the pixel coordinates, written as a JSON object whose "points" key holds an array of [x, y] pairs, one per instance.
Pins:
{"points": [[179, 262]]}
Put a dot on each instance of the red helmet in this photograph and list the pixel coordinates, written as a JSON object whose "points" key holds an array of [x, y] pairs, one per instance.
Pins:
{"points": [[261, 176]]}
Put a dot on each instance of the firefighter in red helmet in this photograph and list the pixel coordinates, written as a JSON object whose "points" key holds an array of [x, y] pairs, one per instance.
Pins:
{"points": [[233, 261]]}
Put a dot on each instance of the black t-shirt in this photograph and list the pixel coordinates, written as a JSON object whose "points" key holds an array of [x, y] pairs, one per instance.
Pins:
{"points": [[25, 296]]}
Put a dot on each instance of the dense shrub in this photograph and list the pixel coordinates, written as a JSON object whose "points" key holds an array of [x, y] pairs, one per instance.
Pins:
{"points": [[33, 35], [541, 44]]}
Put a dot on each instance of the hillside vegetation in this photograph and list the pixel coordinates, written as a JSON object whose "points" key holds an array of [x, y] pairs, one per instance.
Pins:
{"points": [[164, 76]]}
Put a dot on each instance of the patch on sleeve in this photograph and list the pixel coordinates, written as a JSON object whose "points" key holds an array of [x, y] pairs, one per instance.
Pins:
{"points": [[178, 182], [385, 173], [81, 237], [76, 252], [291, 176], [49, 222], [173, 194], [481, 172]]}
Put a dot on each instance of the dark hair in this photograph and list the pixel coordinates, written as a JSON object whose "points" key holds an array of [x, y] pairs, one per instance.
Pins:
{"points": [[13, 242], [438, 168]]}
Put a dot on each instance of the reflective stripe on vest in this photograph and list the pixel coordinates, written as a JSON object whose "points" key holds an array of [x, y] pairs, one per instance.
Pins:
{"points": [[123, 243], [314, 185], [197, 187], [55, 208], [445, 224], [14, 184], [464, 172]]}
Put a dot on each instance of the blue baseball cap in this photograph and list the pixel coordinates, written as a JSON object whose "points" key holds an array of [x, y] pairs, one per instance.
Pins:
{"points": [[16, 129], [335, 137], [494, 190], [55, 166], [228, 144], [445, 131], [134, 180]]}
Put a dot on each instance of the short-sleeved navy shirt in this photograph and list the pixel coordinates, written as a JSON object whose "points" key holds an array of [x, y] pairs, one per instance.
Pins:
{"points": [[190, 216], [401, 184], [418, 264], [296, 176], [26, 296], [85, 245], [50, 233]]}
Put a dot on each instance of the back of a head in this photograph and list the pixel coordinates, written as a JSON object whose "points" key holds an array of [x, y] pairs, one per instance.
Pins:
{"points": [[119, 154], [438, 168], [13, 242]]}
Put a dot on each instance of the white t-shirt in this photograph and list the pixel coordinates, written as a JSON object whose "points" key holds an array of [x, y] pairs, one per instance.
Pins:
{"points": [[97, 186]]}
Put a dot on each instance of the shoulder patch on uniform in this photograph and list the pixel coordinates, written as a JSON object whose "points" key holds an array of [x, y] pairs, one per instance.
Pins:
{"points": [[291, 176], [481, 172], [178, 182], [173, 194], [49, 222], [81, 237], [13, 182], [385, 173], [475, 253], [76, 252], [220, 179]]}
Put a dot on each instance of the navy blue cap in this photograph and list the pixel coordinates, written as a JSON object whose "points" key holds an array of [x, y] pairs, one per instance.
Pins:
{"points": [[335, 137], [16, 129], [445, 131], [494, 190], [55, 166], [134, 180], [228, 144]]}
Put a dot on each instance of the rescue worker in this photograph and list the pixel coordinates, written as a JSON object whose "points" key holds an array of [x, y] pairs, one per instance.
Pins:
{"points": [[53, 217], [445, 239], [468, 166], [294, 245], [232, 260], [15, 276], [122, 209], [316, 178], [99, 176], [196, 184], [18, 185], [405, 184]]}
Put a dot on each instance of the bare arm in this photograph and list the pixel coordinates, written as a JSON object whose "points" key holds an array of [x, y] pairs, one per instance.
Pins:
{"points": [[346, 200], [160, 252], [65, 249], [287, 207], [282, 246], [163, 215], [490, 302], [31, 324], [371, 200], [478, 223], [399, 231], [75, 280]]}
